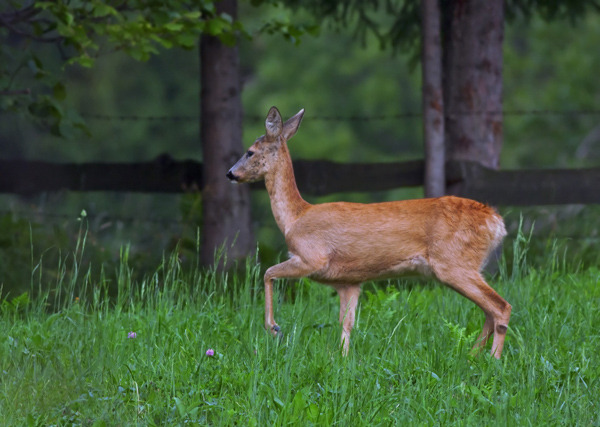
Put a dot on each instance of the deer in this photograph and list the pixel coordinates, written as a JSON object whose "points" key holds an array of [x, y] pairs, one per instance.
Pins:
{"points": [[343, 244]]}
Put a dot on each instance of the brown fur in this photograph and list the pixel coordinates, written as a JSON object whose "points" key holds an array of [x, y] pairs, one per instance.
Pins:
{"points": [[345, 244]]}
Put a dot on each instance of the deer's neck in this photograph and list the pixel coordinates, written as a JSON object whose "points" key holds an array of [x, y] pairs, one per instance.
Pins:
{"points": [[286, 203]]}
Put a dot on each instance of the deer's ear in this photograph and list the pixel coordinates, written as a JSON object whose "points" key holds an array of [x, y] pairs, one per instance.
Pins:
{"points": [[273, 124], [291, 125]]}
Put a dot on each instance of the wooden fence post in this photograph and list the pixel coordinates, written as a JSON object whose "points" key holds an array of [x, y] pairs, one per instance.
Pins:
{"points": [[433, 100]]}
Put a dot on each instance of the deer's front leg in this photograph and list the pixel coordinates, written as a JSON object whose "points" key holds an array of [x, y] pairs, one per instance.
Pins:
{"points": [[291, 269], [348, 301]]}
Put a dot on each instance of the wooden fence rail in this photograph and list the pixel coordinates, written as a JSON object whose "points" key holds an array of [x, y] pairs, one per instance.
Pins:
{"points": [[165, 175]]}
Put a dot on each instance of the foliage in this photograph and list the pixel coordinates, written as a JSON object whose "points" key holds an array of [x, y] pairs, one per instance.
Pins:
{"points": [[83, 30], [550, 10], [394, 23], [410, 362], [397, 23]]}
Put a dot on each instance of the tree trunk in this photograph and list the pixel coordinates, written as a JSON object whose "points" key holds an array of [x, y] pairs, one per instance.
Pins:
{"points": [[473, 32], [433, 102], [225, 206]]}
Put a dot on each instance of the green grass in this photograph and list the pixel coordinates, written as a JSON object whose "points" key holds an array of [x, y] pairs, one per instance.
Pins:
{"points": [[65, 355]]}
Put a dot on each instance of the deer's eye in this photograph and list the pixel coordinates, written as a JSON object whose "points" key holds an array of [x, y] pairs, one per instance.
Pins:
{"points": [[249, 153]]}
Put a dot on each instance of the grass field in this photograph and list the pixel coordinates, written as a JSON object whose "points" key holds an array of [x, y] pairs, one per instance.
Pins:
{"points": [[69, 356]]}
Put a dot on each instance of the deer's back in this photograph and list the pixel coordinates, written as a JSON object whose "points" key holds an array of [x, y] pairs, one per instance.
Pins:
{"points": [[356, 242]]}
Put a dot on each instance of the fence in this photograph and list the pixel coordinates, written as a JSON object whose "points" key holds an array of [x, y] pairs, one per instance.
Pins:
{"points": [[165, 175]]}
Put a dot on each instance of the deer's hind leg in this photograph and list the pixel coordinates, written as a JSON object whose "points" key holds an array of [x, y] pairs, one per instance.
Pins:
{"points": [[486, 333], [471, 284]]}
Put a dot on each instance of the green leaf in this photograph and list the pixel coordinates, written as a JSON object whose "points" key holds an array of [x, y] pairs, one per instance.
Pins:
{"points": [[227, 17], [101, 9], [83, 60], [166, 43], [298, 405], [187, 40], [180, 406], [173, 26], [139, 54], [313, 412], [478, 395], [37, 340], [67, 18], [216, 26], [65, 30], [44, 4], [278, 402], [20, 302], [192, 15]]}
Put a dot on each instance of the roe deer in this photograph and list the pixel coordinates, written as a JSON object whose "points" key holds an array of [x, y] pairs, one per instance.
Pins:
{"points": [[345, 244]]}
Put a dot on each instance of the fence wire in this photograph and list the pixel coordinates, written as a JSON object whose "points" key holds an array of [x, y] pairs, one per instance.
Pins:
{"points": [[351, 118]]}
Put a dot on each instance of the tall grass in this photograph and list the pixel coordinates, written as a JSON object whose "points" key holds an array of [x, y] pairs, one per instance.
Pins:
{"points": [[67, 355]]}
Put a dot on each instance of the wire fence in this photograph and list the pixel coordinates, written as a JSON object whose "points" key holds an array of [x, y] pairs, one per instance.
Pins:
{"points": [[104, 218], [351, 118], [107, 220]]}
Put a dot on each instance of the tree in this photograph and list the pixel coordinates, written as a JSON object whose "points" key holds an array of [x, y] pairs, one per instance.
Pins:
{"points": [[226, 208], [82, 31], [472, 63], [472, 35]]}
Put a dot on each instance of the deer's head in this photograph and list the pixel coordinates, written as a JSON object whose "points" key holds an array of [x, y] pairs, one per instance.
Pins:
{"points": [[265, 153]]}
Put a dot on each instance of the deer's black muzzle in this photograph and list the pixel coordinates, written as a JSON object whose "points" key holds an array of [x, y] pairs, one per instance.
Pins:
{"points": [[231, 176]]}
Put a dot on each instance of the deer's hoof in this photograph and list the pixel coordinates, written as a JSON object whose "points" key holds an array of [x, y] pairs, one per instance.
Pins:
{"points": [[276, 331]]}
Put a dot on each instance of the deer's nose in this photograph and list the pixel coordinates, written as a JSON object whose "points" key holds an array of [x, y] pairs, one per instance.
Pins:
{"points": [[231, 176]]}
